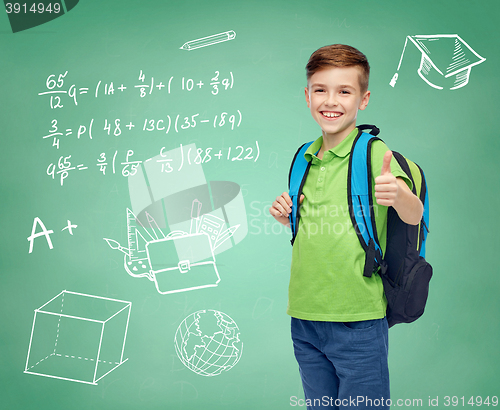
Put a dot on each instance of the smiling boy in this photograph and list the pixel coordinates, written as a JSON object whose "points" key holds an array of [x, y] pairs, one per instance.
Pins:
{"points": [[339, 329]]}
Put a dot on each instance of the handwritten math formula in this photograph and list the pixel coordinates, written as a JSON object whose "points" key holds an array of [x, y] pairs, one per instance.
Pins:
{"points": [[116, 127], [61, 91], [61, 168], [63, 130]]}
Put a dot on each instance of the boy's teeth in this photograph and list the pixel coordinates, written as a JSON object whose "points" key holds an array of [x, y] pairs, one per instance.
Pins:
{"points": [[331, 114]]}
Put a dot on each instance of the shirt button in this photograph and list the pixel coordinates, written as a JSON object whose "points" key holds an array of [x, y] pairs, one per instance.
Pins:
{"points": [[323, 168]]}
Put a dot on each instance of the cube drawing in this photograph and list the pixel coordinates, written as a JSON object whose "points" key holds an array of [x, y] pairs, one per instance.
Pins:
{"points": [[78, 337]]}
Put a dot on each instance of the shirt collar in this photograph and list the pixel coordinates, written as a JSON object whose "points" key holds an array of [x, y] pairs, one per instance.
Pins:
{"points": [[341, 150]]}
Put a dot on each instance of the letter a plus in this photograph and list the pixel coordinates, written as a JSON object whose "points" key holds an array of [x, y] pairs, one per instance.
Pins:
{"points": [[44, 232]]}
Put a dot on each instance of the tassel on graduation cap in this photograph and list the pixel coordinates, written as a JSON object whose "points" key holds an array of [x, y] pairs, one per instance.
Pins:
{"points": [[443, 56]]}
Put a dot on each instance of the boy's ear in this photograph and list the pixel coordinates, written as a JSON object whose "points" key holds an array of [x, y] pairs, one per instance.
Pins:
{"points": [[307, 97], [364, 100]]}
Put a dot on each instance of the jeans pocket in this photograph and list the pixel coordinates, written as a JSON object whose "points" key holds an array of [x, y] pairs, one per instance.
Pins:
{"points": [[361, 325]]}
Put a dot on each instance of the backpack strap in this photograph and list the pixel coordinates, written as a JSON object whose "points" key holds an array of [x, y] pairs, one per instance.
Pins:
{"points": [[358, 187], [424, 197], [417, 177], [424, 224], [359, 195], [296, 179], [407, 166]]}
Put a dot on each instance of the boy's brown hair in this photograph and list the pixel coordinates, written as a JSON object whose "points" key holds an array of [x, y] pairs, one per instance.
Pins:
{"points": [[339, 55]]}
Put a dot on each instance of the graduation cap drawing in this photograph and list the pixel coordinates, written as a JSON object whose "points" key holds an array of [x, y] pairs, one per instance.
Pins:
{"points": [[446, 60]]}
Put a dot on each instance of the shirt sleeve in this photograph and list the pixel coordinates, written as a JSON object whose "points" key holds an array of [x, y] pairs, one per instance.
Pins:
{"points": [[378, 151]]}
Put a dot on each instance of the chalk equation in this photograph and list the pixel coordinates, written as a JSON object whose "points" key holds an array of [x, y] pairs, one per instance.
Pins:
{"points": [[189, 156], [56, 87], [117, 126]]}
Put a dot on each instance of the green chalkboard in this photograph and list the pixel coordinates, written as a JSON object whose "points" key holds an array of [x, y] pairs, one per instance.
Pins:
{"points": [[142, 145]]}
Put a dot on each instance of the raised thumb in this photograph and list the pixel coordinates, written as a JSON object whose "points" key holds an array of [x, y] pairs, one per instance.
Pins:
{"points": [[386, 164]]}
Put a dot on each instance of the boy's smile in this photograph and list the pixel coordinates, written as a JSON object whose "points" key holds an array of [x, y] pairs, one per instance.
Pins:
{"points": [[334, 97]]}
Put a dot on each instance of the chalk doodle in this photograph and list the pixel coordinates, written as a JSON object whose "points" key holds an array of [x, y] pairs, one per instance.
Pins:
{"points": [[179, 261], [209, 40], [178, 223], [78, 337], [443, 56], [37, 223], [208, 342]]}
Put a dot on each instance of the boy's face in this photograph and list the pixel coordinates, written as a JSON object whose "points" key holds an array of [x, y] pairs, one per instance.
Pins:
{"points": [[334, 97]]}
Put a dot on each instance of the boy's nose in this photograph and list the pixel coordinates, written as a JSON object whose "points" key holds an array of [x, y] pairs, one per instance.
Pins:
{"points": [[331, 101]]}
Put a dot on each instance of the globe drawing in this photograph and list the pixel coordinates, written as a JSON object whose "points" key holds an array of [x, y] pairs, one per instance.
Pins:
{"points": [[208, 342]]}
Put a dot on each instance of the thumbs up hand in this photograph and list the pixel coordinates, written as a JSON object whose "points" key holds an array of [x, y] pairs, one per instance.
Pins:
{"points": [[386, 164], [386, 186]]}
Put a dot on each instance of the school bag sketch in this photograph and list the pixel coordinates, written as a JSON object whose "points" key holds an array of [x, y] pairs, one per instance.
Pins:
{"points": [[179, 222], [177, 262]]}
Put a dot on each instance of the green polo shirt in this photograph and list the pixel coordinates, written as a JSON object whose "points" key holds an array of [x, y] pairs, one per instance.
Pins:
{"points": [[326, 281]]}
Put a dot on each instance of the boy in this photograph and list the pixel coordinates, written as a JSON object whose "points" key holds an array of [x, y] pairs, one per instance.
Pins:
{"points": [[339, 329]]}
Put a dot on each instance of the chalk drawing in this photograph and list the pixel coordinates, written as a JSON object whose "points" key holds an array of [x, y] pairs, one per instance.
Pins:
{"points": [[443, 56], [78, 337], [176, 262], [45, 232], [178, 223], [209, 40], [208, 342]]}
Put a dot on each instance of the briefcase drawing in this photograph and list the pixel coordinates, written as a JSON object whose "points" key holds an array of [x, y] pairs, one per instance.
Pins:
{"points": [[182, 262]]}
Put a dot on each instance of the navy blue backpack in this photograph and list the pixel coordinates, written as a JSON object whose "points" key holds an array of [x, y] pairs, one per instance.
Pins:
{"points": [[404, 271]]}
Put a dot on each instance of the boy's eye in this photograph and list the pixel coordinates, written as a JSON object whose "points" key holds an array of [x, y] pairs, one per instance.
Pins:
{"points": [[344, 92], [319, 90]]}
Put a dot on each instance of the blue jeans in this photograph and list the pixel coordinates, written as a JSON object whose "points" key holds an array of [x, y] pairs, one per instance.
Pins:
{"points": [[343, 365]]}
